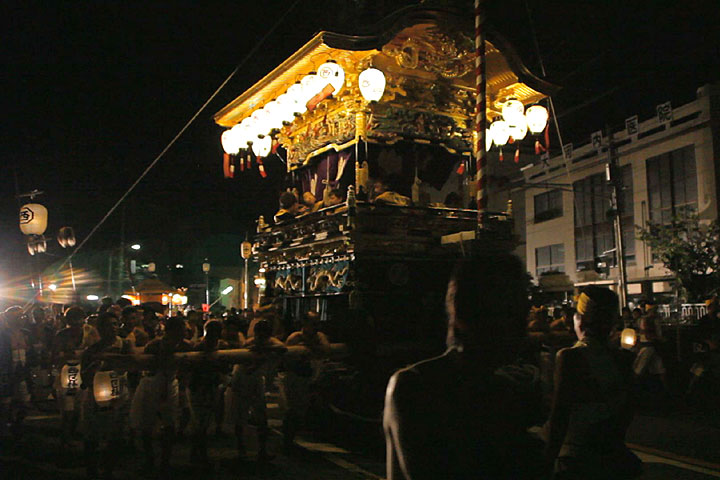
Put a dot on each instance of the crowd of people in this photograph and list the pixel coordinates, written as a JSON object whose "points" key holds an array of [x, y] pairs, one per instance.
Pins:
{"points": [[149, 396], [465, 414]]}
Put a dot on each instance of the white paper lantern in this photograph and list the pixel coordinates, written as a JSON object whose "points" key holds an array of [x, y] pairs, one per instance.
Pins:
{"points": [[537, 118], [512, 111], [261, 121], [229, 141], [500, 132], [311, 86], [287, 107], [332, 73], [108, 386], [33, 219], [488, 139], [262, 147], [372, 84], [298, 96], [276, 114], [70, 376], [518, 130]]}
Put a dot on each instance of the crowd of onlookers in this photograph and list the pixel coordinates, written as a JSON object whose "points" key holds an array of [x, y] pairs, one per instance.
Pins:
{"points": [[49, 352]]}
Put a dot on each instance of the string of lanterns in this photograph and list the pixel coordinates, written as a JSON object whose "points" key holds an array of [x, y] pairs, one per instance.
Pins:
{"points": [[514, 125], [255, 131]]}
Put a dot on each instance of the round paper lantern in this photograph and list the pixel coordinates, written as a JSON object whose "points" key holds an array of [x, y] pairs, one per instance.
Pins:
{"points": [[372, 84], [275, 113], [500, 132], [70, 376], [262, 147], [537, 118], [519, 129], [512, 111], [332, 73], [261, 121], [107, 386], [33, 219], [311, 86], [66, 237], [287, 108], [297, 94], [229, 141], [628, 338]]}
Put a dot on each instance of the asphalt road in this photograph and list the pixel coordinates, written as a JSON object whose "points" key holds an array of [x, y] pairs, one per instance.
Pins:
{"points": [[672, 446]]}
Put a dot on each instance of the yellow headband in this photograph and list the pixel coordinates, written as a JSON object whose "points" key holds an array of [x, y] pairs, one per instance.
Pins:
{"points": [[583, 303]]}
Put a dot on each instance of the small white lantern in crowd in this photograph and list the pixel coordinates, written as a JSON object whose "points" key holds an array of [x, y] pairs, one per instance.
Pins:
{"points": [[372, 84], [70, 377], [332, 73], [33, 219], [628, 338], [537, 118], [107, 386]]}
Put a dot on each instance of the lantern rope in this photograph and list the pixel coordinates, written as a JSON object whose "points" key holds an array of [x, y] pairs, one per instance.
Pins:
{"points": [[182, 130]]}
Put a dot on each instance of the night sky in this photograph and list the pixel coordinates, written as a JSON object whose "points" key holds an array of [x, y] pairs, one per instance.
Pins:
{"points": [[93, 91]]}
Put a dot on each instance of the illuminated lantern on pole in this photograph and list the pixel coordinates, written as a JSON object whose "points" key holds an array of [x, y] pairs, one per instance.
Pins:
{"points": [[332, 73], [33, 219], [245, 249], [70, 377], [107, 386], [628, 338], [372, 84]]}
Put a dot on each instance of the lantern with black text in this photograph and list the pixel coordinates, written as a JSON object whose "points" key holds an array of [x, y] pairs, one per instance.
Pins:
{"points": [[70, 377], [33, 219], [107, 387]]}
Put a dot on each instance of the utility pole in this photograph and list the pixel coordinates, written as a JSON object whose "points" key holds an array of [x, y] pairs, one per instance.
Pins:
{"points": [[614, 178]]}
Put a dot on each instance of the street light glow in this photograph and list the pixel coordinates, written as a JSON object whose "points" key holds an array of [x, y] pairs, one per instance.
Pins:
{"points": [[135, 246], [93, 298], [227, 289]]}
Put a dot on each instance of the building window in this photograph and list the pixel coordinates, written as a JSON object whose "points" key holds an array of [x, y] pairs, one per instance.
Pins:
{"points": [[594, 231], [548, 205], [672, 184], [550, 259]]}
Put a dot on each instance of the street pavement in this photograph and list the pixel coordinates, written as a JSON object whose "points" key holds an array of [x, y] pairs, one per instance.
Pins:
{"points": [[682, 446]]}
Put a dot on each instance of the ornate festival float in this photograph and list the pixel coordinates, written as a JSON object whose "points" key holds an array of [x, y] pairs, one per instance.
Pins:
{"points": [[400, 104]]}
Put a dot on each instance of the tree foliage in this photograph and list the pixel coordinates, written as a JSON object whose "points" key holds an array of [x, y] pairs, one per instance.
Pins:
{"points": [[690, 249]]}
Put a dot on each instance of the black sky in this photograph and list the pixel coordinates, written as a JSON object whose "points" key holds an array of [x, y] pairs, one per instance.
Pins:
{"points": [[92, 92]]}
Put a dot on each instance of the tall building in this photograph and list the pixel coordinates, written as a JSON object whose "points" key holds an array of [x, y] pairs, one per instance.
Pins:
{"points": [[667, 164]]}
